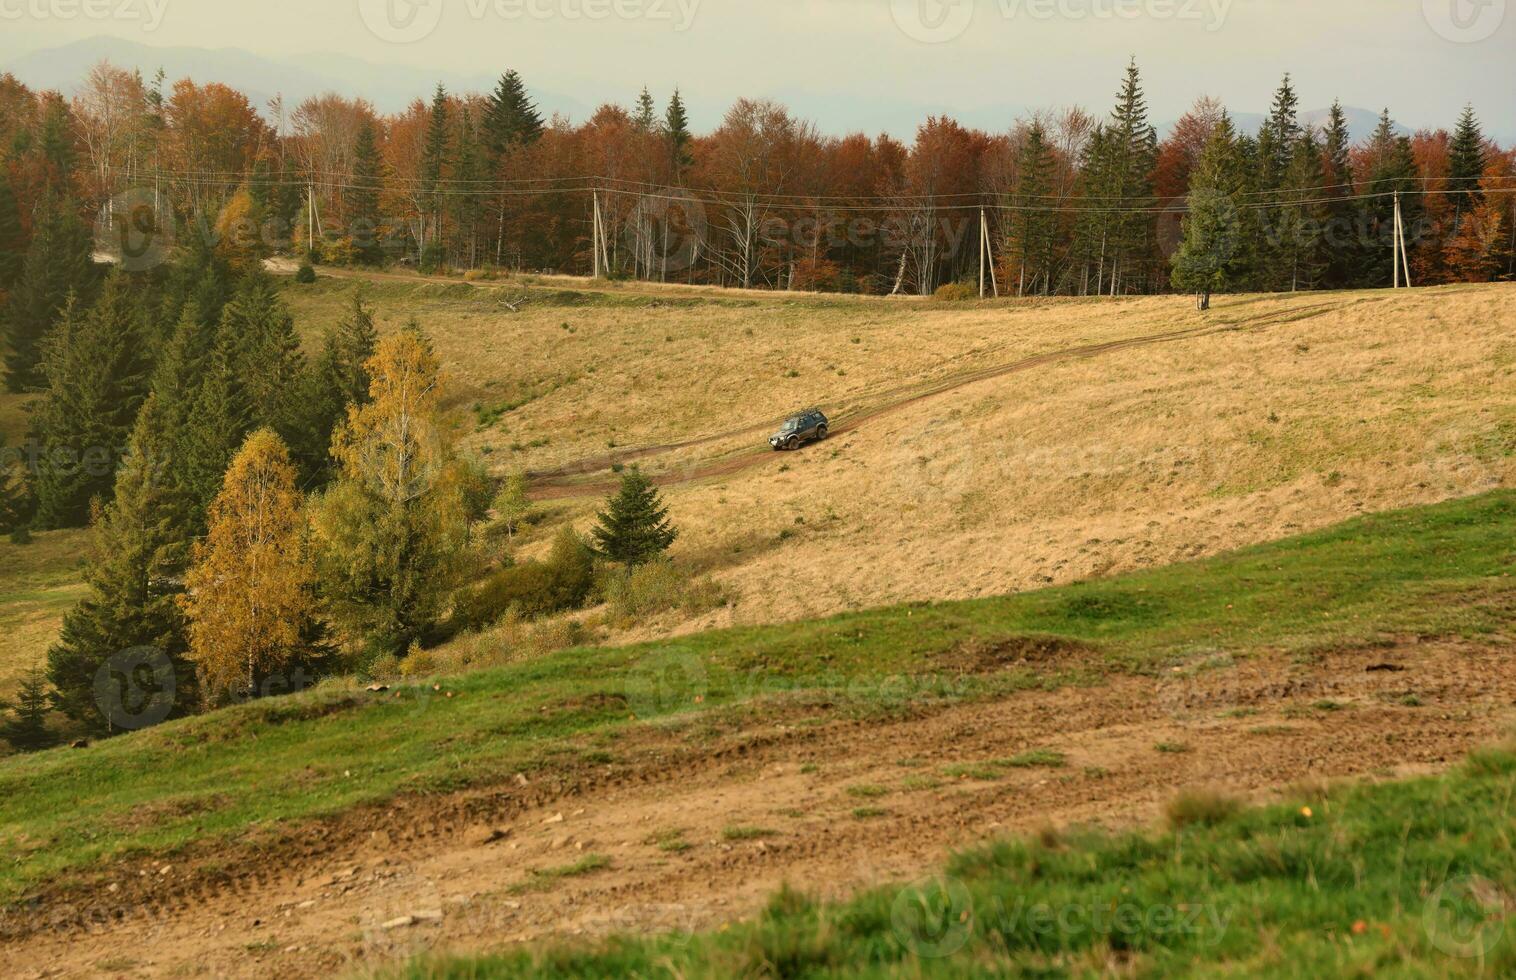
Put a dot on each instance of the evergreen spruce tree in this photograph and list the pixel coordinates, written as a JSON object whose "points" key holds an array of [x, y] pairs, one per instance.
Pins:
{"points": [[434, 160], [646, 116], [56, 145], [268, 356], [1132, 147], [12, 240], [1031, 222], [1092, 227], [97, 375], [1343, 217], [337, 378], [1209, 253], [141, 542], [1466, 160], [634, 528], [362, 196], [57, 263], [1393, 169], [15, 495], [25, 728], [1277, 138], [510, 120], [470, 169], [676, 131], [1298, 250], [219, 419], [1276, 145]]}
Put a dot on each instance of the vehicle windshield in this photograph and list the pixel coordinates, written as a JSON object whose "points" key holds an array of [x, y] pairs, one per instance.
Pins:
{"points": [[790, 425]]}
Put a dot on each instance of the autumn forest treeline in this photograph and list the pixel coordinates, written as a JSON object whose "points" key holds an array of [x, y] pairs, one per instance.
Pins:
{"points": [[1077, 202]]}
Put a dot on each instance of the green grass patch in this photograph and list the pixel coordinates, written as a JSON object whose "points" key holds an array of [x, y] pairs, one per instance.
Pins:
{"points": [[278, 763], [543, 878], [1406, 879], [747, 833], [1035, 758]]}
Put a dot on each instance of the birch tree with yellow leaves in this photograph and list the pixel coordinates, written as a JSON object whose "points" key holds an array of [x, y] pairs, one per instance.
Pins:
{"points": [[249, 597]]}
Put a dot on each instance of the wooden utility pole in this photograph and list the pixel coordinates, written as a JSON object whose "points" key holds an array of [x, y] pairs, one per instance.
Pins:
{"points": [[1405, 260], [983, 237], [595, 235], [1395, 244]]}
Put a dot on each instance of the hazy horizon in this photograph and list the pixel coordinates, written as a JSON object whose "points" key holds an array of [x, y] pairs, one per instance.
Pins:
{"points": [[854, 64]]}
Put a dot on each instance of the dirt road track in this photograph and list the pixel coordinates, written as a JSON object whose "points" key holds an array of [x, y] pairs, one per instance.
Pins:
{"points": [[456, 872], [561, 481]]}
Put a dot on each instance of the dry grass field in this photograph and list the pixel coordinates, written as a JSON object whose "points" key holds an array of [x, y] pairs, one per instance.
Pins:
{"points": [[1268, 416], [981, 448]]}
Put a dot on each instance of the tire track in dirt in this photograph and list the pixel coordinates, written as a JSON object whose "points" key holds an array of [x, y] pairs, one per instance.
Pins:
{"points": [[461, 868], [558, 482]]}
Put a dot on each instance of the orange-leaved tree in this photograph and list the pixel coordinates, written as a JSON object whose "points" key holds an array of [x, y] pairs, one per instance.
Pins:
{"points": [[248, 590]]}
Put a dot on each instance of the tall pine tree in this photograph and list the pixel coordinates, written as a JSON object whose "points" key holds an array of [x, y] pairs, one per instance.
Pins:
{"points": [[362, 194], [1211, 251], [140, 546], [1031, 226], [634, 527], [434, 160], [1466, 160], [676, 133], [510, 120], [97, 375], [57, 264], [1343, 218]]}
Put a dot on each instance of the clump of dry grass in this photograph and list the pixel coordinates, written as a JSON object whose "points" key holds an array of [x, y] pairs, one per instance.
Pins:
{"points": [[1201, 808]]}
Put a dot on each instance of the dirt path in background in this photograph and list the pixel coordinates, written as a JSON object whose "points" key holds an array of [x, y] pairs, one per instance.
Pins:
{"points": [[844, 804], [560, 481]]}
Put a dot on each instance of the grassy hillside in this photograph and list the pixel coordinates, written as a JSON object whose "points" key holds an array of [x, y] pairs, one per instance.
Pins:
{"points": [[40, 582], [251, 774], [1414, 878], [1057, 439], [1046, 455]]}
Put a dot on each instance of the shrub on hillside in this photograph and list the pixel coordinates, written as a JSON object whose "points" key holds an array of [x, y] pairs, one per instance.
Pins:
{"points": [[656, 587], [305, 273], [955, 292], [432, 260], [533, 588]]}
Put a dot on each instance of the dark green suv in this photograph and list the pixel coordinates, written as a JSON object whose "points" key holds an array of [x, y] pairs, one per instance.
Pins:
{"points": [[800, 428]]}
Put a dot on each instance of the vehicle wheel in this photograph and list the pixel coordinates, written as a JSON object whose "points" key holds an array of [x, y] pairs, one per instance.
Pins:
{"points": [[791, 442], [820, 432]]}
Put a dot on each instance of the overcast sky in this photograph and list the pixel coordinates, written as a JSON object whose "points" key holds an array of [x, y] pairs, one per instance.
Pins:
{"points": [[1424, 58]]}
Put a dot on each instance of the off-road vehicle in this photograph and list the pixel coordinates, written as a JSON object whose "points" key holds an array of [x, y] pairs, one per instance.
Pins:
{"points": [[800, 428]]}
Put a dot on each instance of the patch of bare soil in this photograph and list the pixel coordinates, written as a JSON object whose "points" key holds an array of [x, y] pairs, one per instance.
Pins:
{"points": [[708, 823]]}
